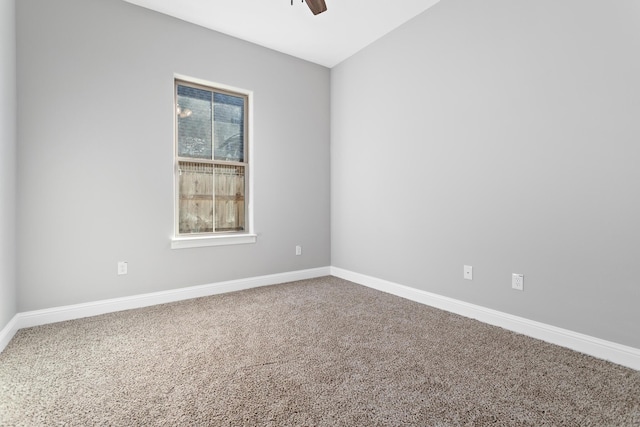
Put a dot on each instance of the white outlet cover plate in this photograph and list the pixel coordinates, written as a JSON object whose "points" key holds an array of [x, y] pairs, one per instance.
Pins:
{"points": [[517, 281], [122, 268], [468, 272]]}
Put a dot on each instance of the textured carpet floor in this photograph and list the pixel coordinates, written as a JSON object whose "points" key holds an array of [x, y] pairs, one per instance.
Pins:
{"points": [[322, 352]]}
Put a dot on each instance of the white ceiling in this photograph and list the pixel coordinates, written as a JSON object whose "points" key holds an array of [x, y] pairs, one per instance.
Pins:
{"points": [[326, 39]]}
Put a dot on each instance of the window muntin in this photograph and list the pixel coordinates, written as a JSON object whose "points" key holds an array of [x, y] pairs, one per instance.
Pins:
{"points": [[211, 163]]}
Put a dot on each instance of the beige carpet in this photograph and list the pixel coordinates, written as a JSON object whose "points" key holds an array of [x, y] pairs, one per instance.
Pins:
{"points": [[322, 352]]}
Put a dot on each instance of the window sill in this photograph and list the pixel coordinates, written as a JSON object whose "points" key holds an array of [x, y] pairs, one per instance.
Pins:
{"points": [[203, 241]]}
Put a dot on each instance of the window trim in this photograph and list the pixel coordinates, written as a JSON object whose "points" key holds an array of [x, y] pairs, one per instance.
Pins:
{"points": [[213, 240], [247, 236]]}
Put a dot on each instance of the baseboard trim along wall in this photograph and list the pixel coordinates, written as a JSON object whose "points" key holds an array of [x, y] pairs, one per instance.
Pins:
{"points": [[8, 332], [602, 349], [78, 311]]}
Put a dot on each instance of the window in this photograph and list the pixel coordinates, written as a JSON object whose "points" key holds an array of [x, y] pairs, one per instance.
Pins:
{"points": [[211, 161]]}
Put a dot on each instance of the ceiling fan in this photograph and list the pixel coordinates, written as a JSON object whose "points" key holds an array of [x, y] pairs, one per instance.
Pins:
{"points": [[316, 6]]}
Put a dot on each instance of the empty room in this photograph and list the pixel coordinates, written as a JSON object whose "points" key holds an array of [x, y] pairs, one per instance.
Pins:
{"points": [[320, 213]]}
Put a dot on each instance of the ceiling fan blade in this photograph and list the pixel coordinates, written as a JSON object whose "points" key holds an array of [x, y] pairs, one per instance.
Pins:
{"points": [[316, 6]]}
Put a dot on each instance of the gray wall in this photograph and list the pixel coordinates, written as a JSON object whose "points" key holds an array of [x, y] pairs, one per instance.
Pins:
{"points": [[505, 135], [95, 172], [498, 134], [8, 151]]}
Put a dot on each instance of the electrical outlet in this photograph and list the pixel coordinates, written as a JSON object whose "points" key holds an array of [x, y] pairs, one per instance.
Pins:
{"points": [[517, 281], [298, 250], [468, 272], [122, 268]]}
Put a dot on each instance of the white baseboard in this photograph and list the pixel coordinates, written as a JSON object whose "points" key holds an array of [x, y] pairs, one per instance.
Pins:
{"points": [[8, 332], [607, 350], [77, 311]]}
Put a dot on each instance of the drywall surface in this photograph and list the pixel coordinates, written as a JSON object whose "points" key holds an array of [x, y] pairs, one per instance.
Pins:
{"points": [[96, 144], [502, 135], [8, 150]]}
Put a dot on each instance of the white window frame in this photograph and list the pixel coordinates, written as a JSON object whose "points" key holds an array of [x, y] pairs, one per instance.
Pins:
{"points": [[247, 236]]}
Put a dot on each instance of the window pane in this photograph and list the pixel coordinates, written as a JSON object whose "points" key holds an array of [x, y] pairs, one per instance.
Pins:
{"points": [[228, 127], [211, 159], [229, 198], [195, 211], [194, 122]]}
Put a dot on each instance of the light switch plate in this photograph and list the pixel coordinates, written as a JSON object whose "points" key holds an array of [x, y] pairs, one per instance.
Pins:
{"points": [[468, 272]]}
